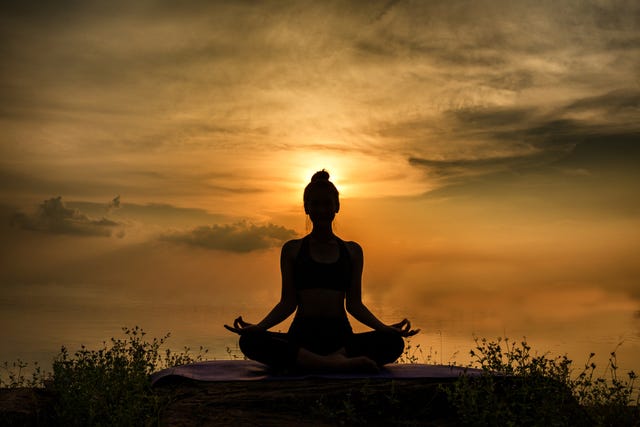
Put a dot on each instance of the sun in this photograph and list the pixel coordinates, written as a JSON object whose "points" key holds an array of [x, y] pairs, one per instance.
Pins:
{"points": [[354, 173], [311, 162]]}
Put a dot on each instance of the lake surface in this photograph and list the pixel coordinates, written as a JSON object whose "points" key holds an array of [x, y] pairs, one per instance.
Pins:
{"points": [[35, 325]]}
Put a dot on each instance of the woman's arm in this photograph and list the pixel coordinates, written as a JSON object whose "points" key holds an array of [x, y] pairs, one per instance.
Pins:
{"points": [[356, 307], [288, 299], [354, 303]]}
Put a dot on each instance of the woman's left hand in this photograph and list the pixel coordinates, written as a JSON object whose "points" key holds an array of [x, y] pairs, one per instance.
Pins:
{"points": [[403, 328]]}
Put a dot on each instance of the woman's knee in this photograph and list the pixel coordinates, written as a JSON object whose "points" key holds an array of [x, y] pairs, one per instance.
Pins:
{"points": [[268, 348], [250, 344], [394, 344]]}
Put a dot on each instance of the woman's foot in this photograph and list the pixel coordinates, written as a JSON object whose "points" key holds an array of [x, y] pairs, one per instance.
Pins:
{"points": [[335, 362], [361, 364]]}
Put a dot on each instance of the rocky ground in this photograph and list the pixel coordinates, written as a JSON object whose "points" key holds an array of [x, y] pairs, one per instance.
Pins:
{"points": [[309, 402], [318, 402]]}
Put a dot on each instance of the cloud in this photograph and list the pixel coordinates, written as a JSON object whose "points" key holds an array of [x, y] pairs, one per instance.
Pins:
{"points": [[198, 81], [584, 133], [471, 167], [618, 107], [54, 217], [238, 237], [153, 216]]}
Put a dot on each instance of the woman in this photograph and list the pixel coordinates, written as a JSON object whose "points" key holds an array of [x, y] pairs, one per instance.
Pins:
{"points": [[321, 275]]}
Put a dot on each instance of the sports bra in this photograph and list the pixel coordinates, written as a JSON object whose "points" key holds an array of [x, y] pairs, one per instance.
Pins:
{"points": [[310, 274]]}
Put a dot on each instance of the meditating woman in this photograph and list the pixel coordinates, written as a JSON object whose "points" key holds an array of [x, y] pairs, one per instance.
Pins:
{"points": [[321, 275]]}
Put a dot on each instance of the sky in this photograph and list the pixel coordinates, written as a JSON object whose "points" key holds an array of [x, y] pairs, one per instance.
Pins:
{"points": [[486, 153]]}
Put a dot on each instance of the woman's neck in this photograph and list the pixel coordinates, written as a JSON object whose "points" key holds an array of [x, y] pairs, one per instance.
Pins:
{"points": [[322, 233]]}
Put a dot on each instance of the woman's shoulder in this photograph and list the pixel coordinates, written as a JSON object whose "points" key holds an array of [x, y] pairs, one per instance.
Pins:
{"points": [[291, 247], [354, 248], [352, 245]]}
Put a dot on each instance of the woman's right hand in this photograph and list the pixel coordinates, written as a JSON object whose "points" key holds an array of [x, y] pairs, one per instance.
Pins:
{"points": [[403, 328], [241, 327]]}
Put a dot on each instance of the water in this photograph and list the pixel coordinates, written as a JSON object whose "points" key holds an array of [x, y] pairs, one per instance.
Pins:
{"points": [[37, 324]]}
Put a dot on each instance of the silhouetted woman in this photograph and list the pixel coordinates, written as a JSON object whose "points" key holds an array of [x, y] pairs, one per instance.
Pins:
{"points": [[321, 275]]}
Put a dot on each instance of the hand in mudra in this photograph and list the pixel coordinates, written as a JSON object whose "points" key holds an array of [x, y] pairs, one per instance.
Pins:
{"points": [[403, 328], [241, 327]]}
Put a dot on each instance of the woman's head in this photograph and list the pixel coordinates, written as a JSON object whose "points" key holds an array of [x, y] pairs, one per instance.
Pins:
{"points": [[321, 195]]}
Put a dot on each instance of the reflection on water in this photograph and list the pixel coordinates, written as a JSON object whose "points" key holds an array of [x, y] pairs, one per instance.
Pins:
{"points": [[36, 325]]}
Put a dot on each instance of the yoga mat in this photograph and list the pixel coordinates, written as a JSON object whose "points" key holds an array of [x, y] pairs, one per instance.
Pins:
{"points": [[248, 370]]}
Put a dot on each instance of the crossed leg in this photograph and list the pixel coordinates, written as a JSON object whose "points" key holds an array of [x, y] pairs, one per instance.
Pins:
{"points": [[363, 352]]}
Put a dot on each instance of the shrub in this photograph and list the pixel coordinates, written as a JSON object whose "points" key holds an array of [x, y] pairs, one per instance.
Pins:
{"points": [[519, 388], [17, 376], [111, 385], [608, 400]]}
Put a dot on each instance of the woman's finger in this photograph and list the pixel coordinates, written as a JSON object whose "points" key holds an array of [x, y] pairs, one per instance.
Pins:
{"points": [[243, 323], [400, 324], [240, 323], [232, 329], [236, 323], [404, 326]]}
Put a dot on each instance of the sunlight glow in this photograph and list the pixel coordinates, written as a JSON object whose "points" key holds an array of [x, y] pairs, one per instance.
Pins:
{"points": [[305, 163], [356, 175]]}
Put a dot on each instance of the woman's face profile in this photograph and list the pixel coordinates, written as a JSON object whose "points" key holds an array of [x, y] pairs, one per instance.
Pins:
{"points": [[321, 206]]}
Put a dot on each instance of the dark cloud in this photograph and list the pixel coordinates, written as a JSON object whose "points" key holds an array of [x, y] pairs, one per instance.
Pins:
{"points": [[614, 112], [586, 133], [606, 154], [160, 214], [593, 176], [611, 103], [54, 217], [460, 168], [238, 237]]}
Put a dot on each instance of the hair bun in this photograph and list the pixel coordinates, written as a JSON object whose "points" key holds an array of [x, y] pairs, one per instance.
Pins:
{"points": [[322, 175]]}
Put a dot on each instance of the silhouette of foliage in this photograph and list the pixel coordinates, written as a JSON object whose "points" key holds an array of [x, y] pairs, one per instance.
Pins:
{"points": [[520, 388], [109, 386]]}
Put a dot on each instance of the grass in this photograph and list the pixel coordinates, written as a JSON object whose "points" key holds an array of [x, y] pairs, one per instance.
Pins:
{"points": [[111, 386]]}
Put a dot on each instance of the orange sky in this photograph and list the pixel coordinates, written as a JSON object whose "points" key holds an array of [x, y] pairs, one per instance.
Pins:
{"points": [[487, 154]]}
